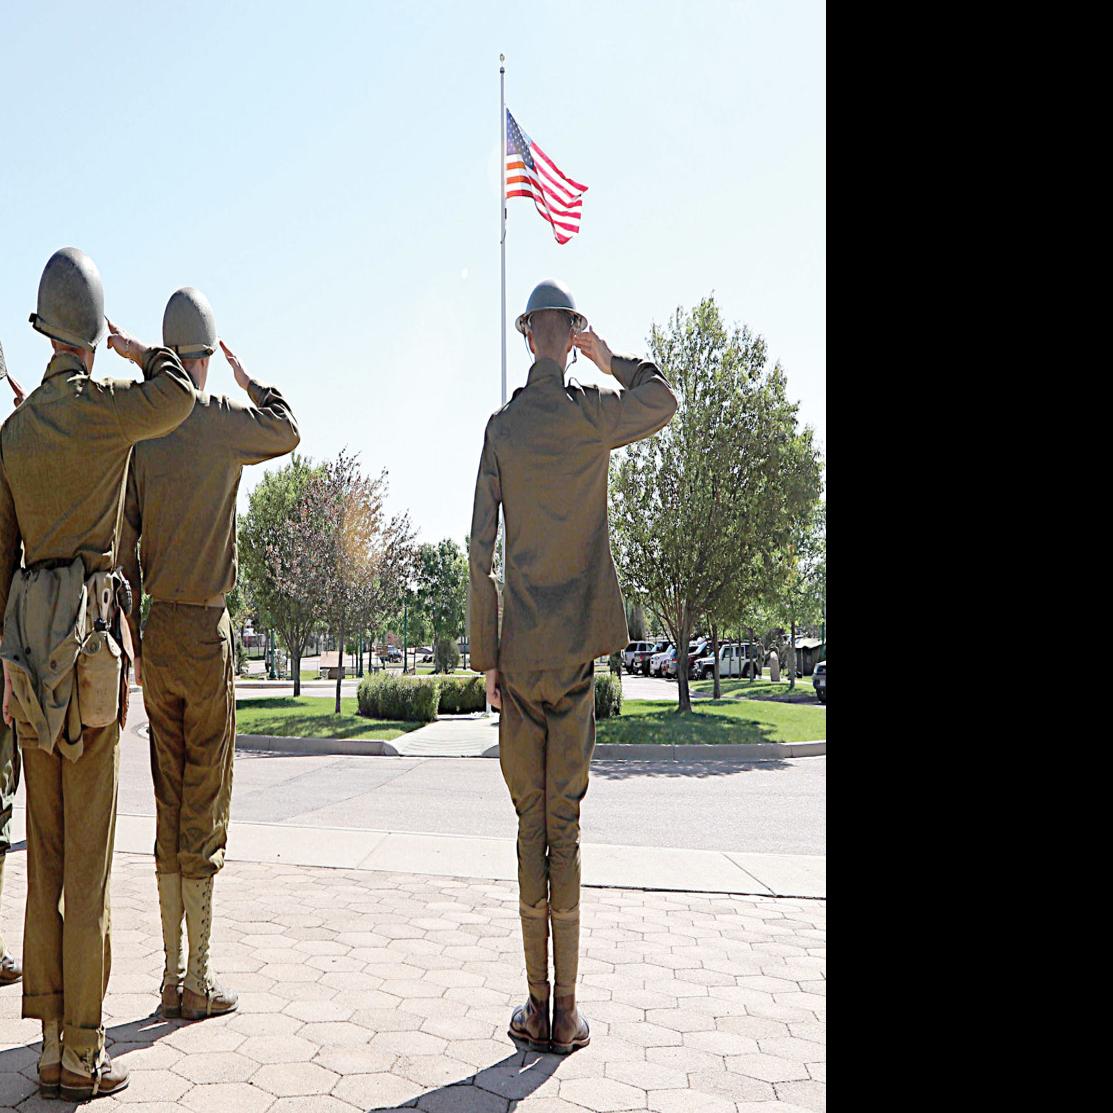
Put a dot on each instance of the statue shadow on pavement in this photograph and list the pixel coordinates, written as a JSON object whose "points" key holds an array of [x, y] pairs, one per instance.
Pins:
{"points": [[512, 1080]]}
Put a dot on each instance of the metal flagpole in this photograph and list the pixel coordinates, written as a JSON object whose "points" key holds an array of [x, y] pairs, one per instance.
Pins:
{"points": [[502, 250], [502, 207]]}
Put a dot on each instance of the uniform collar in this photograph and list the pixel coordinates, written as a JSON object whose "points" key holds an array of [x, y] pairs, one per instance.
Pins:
{"points": [[544, 369], [64, 363]]}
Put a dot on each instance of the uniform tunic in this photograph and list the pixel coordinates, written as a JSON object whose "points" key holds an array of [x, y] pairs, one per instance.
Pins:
{"points": [[545, 461], [181, 509], [63, 461]]}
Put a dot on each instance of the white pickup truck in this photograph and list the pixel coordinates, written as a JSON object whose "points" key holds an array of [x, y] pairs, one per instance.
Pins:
{"points": [[734, 660]]}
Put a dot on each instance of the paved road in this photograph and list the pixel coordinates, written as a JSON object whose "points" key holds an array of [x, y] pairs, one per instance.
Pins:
{"points": [[765, 807]]}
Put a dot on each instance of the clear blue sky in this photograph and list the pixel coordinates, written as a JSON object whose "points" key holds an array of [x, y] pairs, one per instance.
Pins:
{"points": [[328, 174]]}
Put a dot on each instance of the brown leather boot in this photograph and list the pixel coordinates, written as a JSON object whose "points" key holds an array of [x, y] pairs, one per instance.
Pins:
{"points": [[50, 1080], [570, 1029], [50, 1060], [171, 1006], [110, 1079], [11, 970], [216, 1002], [530, 1023]]}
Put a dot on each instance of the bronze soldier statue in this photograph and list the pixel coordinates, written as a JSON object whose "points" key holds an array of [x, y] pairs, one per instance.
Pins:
{"points": [[181, 509], [545, 460], [63, 464]]}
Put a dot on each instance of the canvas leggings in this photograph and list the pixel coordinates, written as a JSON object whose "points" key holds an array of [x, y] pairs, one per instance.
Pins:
{"points": [[67, 939], [546, 739], [9, 783], [189, 694]]}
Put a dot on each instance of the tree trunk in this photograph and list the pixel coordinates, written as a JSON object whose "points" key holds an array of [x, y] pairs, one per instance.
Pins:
{"points": [[340, 670], [718, 693], [295, 660], [753, 667], [684, 694], [792, 657]]}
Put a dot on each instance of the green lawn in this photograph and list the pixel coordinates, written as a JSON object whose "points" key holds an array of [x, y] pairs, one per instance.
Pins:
{"points": [[312, 717], [762, 688], [713, 722]]}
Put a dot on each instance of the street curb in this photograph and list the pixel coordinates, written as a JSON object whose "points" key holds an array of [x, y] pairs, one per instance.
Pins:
{"points": [[611, 751]]}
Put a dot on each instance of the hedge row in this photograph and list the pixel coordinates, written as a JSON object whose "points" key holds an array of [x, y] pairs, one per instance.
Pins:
{"points": [[417, 700], [383, 696], [460, 694], [608, 694]]}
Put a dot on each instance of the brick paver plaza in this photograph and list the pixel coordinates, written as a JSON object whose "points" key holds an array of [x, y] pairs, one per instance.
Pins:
{"points": [[364, 990]]}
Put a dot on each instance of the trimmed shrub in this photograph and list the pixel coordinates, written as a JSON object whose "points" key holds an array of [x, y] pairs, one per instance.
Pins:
{"points": [[408, 699], [614, 662], [460, 694], [608, 695], [446, 655]]}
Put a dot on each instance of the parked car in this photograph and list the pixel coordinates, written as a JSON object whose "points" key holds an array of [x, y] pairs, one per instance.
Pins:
{"points": [[696, 649], [393, 654], [657, 661], [631, 651], [819, 680], [734, 660]]}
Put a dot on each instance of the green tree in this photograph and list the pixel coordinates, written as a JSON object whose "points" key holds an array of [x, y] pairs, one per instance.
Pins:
{"points": [[363, 558], [442, 588], [798, 579], [695, 504], [277, 541]]}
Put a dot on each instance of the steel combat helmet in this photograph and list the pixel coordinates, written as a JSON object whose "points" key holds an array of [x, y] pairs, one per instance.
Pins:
{"points": [[71, 300], [551, 294], [188, 325]]}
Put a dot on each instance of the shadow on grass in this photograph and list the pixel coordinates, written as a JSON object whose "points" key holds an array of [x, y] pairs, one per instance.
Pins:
{"points": [[760, 690], [660, 724], [288, 717]]}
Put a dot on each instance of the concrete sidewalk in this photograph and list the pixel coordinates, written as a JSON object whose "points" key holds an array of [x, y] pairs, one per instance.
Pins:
{"points": [[604, 866], [385, 990]]}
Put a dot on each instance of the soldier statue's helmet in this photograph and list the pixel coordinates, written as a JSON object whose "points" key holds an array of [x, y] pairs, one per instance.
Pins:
{"points": [[551, 294], [71, 300], [188, 325]]}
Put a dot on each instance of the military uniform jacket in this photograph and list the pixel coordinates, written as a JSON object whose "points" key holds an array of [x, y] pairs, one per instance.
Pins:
{"points": [[64, 456], [545, 461], [181, 497]]}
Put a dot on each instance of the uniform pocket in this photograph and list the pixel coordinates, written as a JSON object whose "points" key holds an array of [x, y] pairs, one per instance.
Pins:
{"points": [[98, 680]]}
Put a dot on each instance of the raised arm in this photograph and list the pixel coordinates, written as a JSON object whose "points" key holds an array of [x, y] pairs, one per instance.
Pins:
{"points": [[160, 403], [266, 428], [131, 529], [646, 403], [483, 619]]}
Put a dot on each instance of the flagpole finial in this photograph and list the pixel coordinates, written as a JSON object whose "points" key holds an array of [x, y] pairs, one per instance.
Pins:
{"points": [[502, 63]]}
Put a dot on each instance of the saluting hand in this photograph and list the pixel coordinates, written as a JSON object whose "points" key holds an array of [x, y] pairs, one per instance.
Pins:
{"points": [[124, 344], [595, 348], [242, 378], [17, 391]]}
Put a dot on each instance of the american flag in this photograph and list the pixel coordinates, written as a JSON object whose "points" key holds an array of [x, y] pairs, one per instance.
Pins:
{"points": [[531, 173]]}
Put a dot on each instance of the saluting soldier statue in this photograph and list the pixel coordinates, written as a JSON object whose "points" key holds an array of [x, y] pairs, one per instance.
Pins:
{"points": [[181, 508], [545, 460], [63, 462]]}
